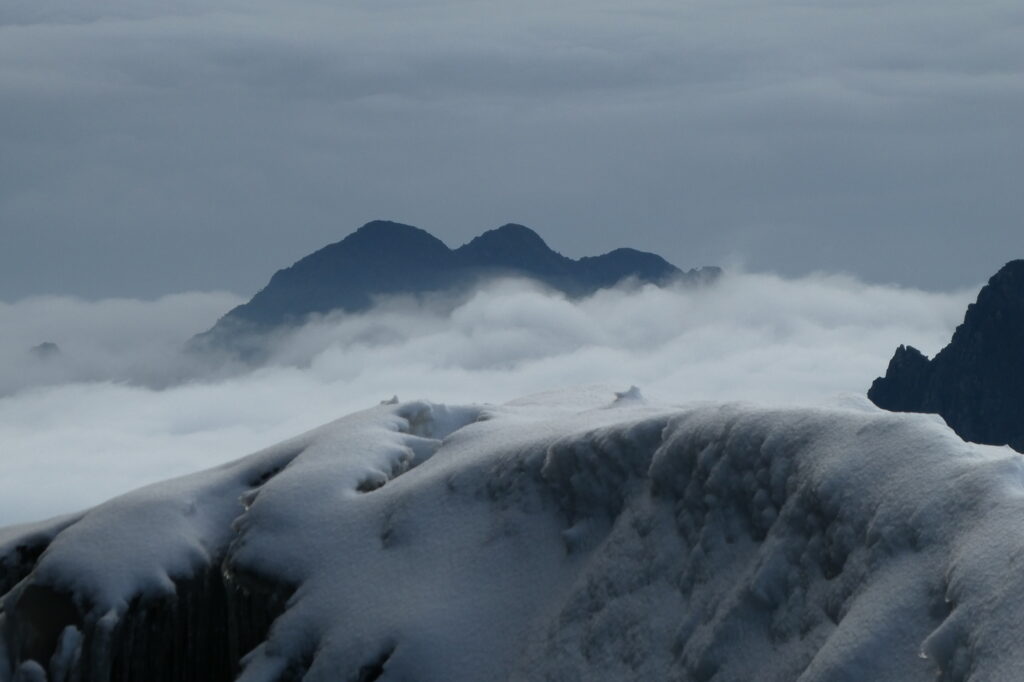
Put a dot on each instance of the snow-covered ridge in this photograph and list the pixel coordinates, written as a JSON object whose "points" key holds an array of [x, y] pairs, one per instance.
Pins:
{"points": [[578, 536]]}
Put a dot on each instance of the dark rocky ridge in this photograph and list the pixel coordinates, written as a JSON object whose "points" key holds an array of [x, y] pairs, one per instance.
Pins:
{"points": [[976, 383], [383, 258], [197, 631], [198, 634]]}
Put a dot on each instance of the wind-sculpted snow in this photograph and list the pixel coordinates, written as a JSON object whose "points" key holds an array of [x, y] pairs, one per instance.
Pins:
{"points": [[579, 536]]}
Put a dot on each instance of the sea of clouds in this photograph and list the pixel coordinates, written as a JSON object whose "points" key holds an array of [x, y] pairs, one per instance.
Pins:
{"points": [[123, 405]]}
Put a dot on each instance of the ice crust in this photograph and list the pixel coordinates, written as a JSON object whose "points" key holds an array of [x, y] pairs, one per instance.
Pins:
{"points": [[584, 535]]}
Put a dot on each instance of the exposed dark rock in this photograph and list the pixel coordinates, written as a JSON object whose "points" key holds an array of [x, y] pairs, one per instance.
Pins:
{"points": [[19, 563], [387, 258], [976, 382], [198, 634], [43, 613], [199, 631]]}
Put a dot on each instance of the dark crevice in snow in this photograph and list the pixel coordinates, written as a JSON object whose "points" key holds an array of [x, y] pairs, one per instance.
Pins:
{"points": [[19, 563], [266, 476], [370, 483], [387, 529], [256, 484], [375, 668], [377, 479]]}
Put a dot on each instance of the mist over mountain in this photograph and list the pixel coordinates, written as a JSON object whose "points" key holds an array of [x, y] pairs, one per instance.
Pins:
{"points": [[122, 406], [579, 534], [385, 258], [248, 436], [976, 383]]}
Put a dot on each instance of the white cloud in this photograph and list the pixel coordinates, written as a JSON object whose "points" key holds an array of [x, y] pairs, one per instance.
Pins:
{"points": [[73, 440]]}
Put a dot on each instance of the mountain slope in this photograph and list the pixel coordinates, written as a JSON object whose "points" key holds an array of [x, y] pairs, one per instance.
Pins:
{"points": [[386, 258], [579, 536], [976, 382]]}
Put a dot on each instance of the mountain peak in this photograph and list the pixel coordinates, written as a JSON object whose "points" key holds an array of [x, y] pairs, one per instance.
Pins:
{"points": [[510, 237], [514, 247], [385, 225], [1008, 283], [1014, 268], [513, 233], [385, 258], [976, 383], [388, 231]]}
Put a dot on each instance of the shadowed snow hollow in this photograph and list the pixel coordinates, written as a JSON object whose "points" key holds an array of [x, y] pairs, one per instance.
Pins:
{"points": [[575, 536]]}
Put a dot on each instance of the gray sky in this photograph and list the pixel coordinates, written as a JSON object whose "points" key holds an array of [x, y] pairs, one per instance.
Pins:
{"points": [[151, 147]]}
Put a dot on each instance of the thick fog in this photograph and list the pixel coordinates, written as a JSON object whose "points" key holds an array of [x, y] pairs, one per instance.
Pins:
{"points": [[121, 405]]}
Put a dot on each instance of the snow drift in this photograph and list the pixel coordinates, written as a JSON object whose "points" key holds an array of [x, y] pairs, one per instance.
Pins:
{"points": [[579, 536]]}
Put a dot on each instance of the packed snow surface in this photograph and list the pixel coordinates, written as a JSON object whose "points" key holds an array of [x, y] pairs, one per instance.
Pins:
{"points": [[585, 535]]}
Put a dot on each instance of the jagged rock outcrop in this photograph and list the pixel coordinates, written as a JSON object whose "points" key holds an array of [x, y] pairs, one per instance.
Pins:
{"points": [[976, 383], [387, 258]]}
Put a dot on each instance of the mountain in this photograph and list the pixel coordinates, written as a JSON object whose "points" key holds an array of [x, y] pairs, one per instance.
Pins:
{"points": [[47, 350], [976, 382], [571, 536], [383, 258]]}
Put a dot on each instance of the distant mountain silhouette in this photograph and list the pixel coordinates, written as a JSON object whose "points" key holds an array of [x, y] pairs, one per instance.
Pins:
{"points": [[976, 382], [47, 350], [384, 257]]}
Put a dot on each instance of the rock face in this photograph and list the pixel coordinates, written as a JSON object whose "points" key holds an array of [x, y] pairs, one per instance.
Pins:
{"points": [[976, 383], [382, 258]]}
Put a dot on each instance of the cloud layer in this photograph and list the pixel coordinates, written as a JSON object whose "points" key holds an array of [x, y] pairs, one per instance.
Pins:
{"points": [[112, 339], [153, 147], [101, 419]]}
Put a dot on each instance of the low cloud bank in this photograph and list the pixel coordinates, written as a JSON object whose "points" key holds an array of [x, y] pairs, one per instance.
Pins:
{"points": [[119, 339], [121, 405]]}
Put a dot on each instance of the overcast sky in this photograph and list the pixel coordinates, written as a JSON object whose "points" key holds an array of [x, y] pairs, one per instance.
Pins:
{"points": [[150, 147]]}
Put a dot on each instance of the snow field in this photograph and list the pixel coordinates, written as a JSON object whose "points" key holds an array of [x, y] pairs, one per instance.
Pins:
{"points": [[582, 535]]}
